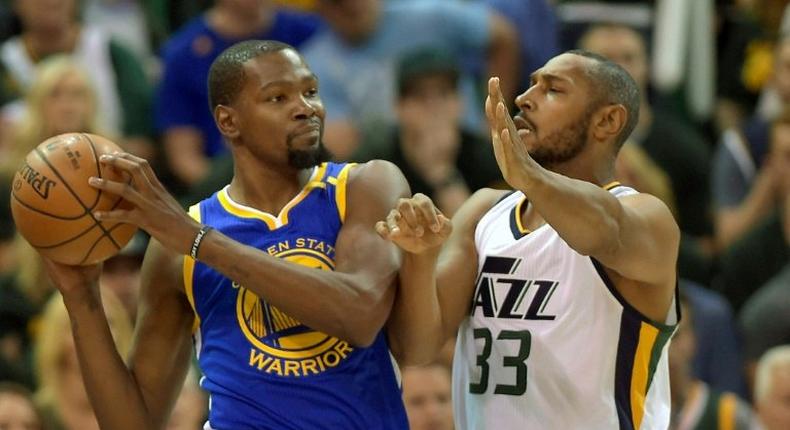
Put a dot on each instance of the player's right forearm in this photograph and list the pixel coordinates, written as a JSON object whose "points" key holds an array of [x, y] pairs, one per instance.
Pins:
{"points": [[113, 392], [415, 327]]}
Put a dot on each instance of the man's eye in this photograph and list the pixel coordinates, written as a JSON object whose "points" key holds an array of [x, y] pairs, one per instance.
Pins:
{"points": [[312, 92], [275, 99]]}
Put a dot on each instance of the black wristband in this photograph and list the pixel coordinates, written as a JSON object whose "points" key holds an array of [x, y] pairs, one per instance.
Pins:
{"points": [[198, 240]]}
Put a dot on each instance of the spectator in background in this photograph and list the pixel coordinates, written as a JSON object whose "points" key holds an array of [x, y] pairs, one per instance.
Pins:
{"points": [[122, 90], [675, 148], [123, 19], [634, 168], [17, 411], [16, 312], [764, 250], [427, 397], [538, 32], [438, 156], [747, 47], [749, 169], [355, 59], [695, 405], [772, 389], [765, 319], [190, 137], [61, 393], [718, 361], [121, 273], [61, 99]]}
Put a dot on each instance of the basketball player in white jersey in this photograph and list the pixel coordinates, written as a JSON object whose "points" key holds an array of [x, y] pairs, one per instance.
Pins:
{"points": [[562, 293]]}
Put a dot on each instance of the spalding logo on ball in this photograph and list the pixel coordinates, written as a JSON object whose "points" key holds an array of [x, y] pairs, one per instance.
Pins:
{"points": [[53, 205]]}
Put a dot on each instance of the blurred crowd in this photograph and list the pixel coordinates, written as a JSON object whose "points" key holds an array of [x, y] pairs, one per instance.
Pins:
{"points": [[403, 80]]}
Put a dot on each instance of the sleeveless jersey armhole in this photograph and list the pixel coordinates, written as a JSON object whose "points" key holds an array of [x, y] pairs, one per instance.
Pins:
{"points": [[340, 190]]}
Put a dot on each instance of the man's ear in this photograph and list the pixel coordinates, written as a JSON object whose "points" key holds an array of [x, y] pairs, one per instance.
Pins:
{"points": [[609, 121], [227, 121]]}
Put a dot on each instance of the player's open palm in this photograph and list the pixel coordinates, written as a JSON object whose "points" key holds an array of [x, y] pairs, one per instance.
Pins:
{"points": [[510, 152], [416, 225]]}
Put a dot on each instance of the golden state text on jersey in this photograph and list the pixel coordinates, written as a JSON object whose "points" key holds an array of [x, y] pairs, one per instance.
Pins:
{"points": [[264, 369]]}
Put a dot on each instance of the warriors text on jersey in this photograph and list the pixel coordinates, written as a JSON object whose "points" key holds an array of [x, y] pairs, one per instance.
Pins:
{"points": [[549, 342], [264, 369]]}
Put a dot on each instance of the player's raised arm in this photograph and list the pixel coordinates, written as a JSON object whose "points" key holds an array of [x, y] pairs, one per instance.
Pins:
{"points": [[635, 235], [351, 303], [142, 394], [436, 279]]}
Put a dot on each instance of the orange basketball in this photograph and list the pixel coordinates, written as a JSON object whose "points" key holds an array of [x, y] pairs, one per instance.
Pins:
{"points": [[53, 204]]}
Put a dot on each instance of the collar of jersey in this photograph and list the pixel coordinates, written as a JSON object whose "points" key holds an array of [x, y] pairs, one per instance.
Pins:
{"points": [[242, 211], [520, 230]]}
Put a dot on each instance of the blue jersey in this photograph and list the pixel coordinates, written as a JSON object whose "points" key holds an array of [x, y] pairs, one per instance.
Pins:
{"points": [[262, 368]]}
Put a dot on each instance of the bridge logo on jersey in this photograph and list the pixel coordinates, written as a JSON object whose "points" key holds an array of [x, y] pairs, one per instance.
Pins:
{"points": [[281, 345], [500, 294]]}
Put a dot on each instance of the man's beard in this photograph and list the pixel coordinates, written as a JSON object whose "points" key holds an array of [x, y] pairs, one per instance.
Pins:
{"points": [[307, 158], [562, 145]]}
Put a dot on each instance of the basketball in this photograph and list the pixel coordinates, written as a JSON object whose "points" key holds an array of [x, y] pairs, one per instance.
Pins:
{"points": [[53, 205]]}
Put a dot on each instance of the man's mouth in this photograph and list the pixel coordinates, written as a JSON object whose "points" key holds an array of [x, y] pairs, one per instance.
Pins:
{"points": [[312, 127], [523, 126]]}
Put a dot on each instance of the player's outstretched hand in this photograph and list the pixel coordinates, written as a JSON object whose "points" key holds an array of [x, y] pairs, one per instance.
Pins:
{"points": [[416, 225], [509, 150], [151, 207]]}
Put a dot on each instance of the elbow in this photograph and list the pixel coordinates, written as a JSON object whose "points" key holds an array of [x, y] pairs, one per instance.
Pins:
{"points": [[362, 322], [360, 338]]}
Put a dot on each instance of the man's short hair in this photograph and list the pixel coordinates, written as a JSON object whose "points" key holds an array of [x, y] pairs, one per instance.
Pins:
{"points": [[425, 61], [612, 84], [226, 75]]}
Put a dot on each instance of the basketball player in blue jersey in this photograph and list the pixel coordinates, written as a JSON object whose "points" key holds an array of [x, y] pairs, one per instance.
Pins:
{"points": [[279, 279], [562, 292]]}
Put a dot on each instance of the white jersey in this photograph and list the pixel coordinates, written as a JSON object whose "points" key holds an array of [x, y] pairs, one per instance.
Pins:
{"points": [[549, 343]]}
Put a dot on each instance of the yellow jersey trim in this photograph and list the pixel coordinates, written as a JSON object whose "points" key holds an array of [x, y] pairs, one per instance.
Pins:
{"points": [[639, 375], [727, 406], [340, 190], [189, 269], [519, 224], [611, 185], [273, 222]]}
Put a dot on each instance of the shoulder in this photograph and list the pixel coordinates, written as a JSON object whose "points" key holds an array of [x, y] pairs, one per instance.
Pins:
{"points": [[644, 203], [373, 189], [655, 212], [478, 204], [377, 177]]}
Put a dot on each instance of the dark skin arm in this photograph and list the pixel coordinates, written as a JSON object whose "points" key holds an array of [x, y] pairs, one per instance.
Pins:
{"points": [[635, 237], [351, 303], [432, 301], [159, 360]]}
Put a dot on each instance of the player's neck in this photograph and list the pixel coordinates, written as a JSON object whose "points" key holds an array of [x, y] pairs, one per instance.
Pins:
{"points": [[586, 167], [231, 24], [266, 189]]}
